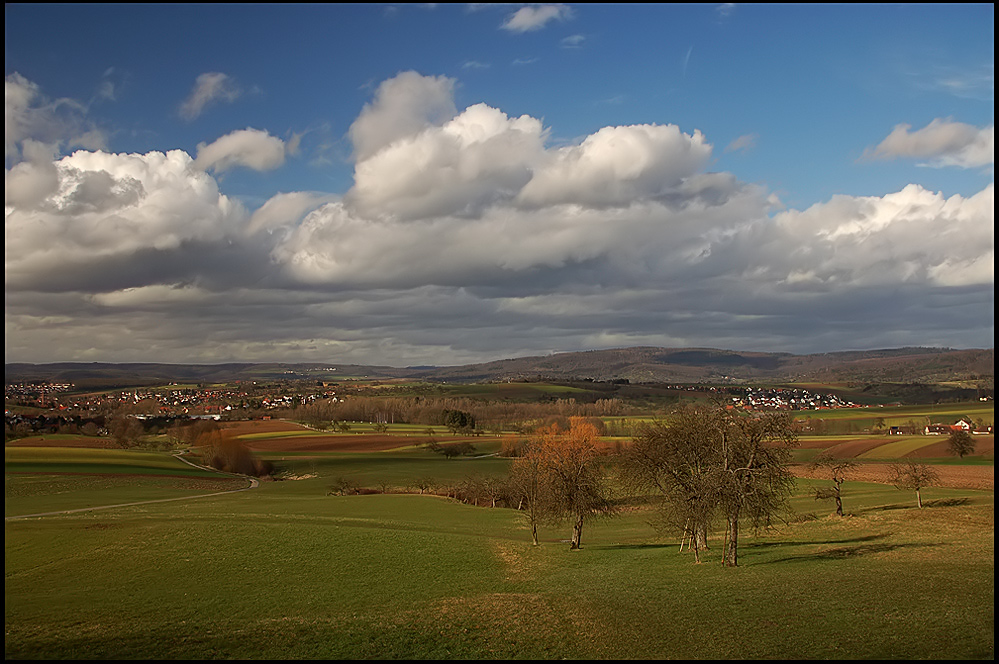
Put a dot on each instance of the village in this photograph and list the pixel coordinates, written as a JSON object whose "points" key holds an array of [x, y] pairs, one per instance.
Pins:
{"points": [[59, 407]]}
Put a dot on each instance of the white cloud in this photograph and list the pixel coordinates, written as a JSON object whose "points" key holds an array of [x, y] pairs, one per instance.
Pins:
{"points": [[111, 207], [252, 148], [964, 83], [465, 236], [30, 182], [943, 142], [617, 165], [912, 236], [403, 106], [481, 157], [209, 88], [30, 116], [286, 209], [478, 158], [535, 17], [744, 143]]}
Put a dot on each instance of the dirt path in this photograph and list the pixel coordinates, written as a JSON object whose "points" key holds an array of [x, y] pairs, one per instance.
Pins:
{"points": [[254, 483]]}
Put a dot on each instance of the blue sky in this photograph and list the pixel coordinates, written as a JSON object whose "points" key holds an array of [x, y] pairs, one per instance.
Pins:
{"points": [[420, 184]]}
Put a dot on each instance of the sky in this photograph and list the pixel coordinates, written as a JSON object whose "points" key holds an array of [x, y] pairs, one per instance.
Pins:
{"points": [[443, 184]]}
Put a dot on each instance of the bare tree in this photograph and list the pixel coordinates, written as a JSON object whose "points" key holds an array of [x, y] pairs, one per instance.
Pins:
{"points": [[341, 486], [676, 457], [836, 470], [755, 480], [529, 488], [125, 430], [424, 484], [913, 476]]}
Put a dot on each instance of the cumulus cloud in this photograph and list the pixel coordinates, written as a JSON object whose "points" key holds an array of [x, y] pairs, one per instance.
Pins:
{"points": [[617, 165], [535, 17], [286, 209], [466, 235], [252, 148], [403, 105], [481, 157], [474, 159], [943, 142], [112, 211], [209, 88], [913, 236], [480, 199], [32, 180]]}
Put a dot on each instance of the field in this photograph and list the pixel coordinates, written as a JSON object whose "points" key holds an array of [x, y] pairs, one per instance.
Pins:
{"points": [[287, 571]]}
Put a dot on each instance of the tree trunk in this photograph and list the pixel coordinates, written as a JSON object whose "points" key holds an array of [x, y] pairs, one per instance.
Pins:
{"points": [[701, 536], [731, 557], [839, 503], [534, 532], [919, 499], [577, 533]]}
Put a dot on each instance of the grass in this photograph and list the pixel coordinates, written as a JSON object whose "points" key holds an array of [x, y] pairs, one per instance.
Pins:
{"points": [[88, 460], [897, 449], [287, 572], [41, 480]]}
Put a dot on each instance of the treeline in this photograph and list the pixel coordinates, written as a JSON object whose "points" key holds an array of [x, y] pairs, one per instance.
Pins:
{"points": [[434, 411]]}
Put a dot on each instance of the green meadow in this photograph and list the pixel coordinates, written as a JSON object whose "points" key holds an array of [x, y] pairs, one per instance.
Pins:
{"points": [[48, 479], [287, 571]]}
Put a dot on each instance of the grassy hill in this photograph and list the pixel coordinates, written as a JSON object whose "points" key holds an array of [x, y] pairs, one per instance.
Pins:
{"points": [[287, 571]]}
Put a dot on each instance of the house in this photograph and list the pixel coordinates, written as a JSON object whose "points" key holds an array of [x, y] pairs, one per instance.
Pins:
{"points": [[947, 429]]}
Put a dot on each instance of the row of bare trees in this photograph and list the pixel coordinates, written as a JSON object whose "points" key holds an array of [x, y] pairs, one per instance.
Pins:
{"points": [[433, 411], [699, 463]]}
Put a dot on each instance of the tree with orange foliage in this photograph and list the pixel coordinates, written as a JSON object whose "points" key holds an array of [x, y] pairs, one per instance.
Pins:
{"points": [[570, 479], [222, 451]]}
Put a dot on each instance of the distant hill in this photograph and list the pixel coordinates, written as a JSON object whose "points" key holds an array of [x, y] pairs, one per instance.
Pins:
{"points": [[635, 365], [666, 365]]}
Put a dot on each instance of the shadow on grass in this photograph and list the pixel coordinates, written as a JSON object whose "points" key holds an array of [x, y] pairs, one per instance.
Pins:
{"points": [[947, 502], [857, 547], [940, 502], [783, 543], [636, 547]]}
